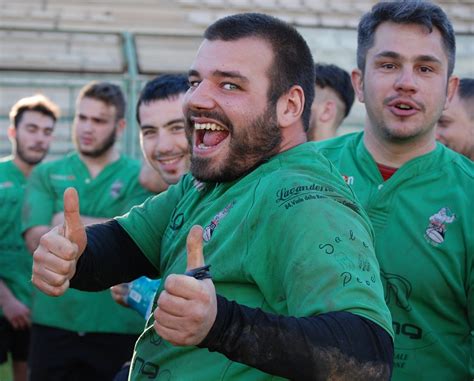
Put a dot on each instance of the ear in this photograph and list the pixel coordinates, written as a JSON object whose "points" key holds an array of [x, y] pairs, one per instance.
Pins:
{"points": [[453, 83], [327, 113], [11, 132], [121, 123], [357, 79], [290, 106]]}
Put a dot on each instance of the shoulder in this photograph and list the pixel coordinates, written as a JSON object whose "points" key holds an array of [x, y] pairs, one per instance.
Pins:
{"points": [[335, 146], [305, 173], [455, 164], [61, 164]]}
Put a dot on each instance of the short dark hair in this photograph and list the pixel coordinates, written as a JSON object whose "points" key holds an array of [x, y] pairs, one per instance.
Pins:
{"points": [[106, 92], [466, 88], [420, 12], [166, 86], [292, 60], [38, 103], [332, 76]]}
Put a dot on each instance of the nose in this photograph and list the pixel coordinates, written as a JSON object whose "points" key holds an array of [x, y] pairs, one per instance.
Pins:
{"points": [[200, 97], [406, 81], [164, 144]]}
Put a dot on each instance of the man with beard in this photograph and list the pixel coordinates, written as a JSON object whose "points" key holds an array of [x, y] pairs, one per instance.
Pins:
{"points": [[32, 123], [295, 289], [83, 336], [415, 190]]}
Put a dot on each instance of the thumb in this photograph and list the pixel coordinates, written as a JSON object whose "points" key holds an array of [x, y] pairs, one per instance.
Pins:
{"points": [[73, 227], [194, 248]]}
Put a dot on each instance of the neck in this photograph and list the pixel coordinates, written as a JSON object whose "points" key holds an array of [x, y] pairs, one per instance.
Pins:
{"points": [[292, 138], [24, 167], [395, 154], [324, 131], [96, 164]]}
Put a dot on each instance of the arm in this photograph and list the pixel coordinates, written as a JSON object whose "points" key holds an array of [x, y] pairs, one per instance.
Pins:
{"points": [[110, 257], [15, 311], [335, 345], [32, 236]]}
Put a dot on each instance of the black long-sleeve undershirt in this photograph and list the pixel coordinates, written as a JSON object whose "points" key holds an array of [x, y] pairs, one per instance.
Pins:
{"points": [[336, 344]]}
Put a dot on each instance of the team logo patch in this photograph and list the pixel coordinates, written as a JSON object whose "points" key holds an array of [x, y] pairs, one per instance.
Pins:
{"points": [[436, 230], [349, 180], [209, 229], [115, 189]]}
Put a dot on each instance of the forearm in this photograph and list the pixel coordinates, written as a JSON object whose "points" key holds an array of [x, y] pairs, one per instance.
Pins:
{"points": [[5, 293], [336, 345], [33, 235], [111, 257]]}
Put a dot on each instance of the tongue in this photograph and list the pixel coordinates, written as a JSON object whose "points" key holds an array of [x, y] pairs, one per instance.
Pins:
{"points": [[213, 138]]}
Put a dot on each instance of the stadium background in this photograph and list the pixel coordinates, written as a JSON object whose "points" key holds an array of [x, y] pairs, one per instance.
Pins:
{"points": [[56, 46]]}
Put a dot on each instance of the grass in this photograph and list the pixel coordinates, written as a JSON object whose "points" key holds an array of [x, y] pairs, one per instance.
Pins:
{"points": [[5, 371]]}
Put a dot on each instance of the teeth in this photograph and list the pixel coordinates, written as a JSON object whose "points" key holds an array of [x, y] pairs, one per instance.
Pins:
{"points": [[208, 126], [404, 106], [203, 146]]}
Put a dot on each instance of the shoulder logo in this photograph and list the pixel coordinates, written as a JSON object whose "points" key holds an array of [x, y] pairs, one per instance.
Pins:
{"points": [[209, 229], [436, 230]]}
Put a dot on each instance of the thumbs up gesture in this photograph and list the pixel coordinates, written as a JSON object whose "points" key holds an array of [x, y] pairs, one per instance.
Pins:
{"points": [[54, 261], [187, 307]]}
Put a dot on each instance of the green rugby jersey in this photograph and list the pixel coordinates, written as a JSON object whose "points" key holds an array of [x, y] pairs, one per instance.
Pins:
{"points": [[423, 217], [288, 238], [15, 259], [113, 192]]}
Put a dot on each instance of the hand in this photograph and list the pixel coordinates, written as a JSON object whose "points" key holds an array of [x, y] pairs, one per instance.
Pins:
{"points": [[17, 313], [54, 261], [187, 307], [119, 294]]}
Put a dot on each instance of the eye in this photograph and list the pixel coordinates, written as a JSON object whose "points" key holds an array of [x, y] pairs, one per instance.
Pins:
{"points": [[425, 69], [148, 132], [388, 66], [230, 86], [177, 129], [193, 83]]}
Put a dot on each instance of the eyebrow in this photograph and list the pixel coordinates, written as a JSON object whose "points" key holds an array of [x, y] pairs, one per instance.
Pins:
{"points": [[221, 74], [420, 58], [167, 124]]}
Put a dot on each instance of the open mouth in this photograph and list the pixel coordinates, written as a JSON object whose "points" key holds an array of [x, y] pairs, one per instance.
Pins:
{"points": [[403, 106], [209, 135]]}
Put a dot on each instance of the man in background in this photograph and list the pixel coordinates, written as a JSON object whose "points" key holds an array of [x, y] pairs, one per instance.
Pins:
{"points": [[32, 122], [166, 150], [414, 189], [455, 128], [334, 96], [83, 336]]}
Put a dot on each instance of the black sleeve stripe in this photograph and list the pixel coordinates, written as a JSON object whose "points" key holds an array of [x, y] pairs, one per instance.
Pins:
{"points": [[334, 345], [111, 257]]}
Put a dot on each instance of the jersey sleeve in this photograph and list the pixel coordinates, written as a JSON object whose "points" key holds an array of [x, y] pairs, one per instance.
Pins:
{"points": [[39, 202], [147, 223], [320, 256]]}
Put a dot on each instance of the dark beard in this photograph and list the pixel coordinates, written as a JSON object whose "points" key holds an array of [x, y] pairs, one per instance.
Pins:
{"points": [[106, 145], [253, 147], [25, 158]]}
